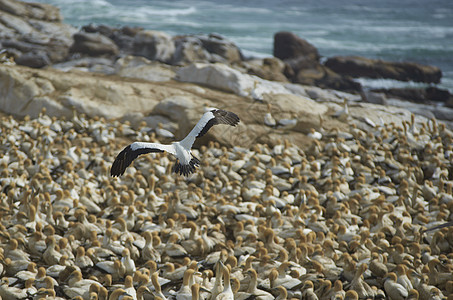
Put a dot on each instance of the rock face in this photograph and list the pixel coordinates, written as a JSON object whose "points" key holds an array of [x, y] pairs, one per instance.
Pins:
{"points": [[159, 46], [304, 66], [153, 45], [223, 77], [140, 67], [93, 44], [205, 48], [33, 33], [357, 66], [218, 45], [269, 68], [287, 45], [323, 77], [419, 95], [38, 11], [25, 91]]}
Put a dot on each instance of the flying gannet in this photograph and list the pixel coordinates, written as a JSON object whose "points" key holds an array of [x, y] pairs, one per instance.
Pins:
{"points": [[186, 163]]}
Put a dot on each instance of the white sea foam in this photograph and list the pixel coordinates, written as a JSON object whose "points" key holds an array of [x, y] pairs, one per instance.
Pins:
{"points": [[158, 11], [388, 83]]}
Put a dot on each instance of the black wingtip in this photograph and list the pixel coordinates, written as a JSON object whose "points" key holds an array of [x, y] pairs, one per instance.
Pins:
{"points": [[188, 169], [119, 165], [227, 117]]}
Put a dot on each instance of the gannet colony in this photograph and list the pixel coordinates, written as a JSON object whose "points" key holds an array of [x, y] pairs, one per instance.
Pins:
{"points": [[345, 218]]}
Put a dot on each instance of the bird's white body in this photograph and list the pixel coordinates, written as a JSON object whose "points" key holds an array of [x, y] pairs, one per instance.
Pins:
{"points": [[182, 153]]}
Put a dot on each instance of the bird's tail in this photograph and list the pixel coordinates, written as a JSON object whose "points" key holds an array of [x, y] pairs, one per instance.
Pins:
{"points": [[186, 169]]}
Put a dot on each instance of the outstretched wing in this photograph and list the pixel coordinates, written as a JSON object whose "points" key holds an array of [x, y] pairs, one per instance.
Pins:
{"points": [[131, 152], [209, 119]]}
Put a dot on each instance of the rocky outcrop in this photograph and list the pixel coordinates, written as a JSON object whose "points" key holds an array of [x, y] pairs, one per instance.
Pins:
{"points": [[93, 44], [287, 45], [357, 66], [218, 45], [304, 66], [159, 46], [223, 77], [269, 68], [140, 67], [38, 11], [154, 45], [205, 48], [25, 91], [323, 77], [419, 95], [32, 33]]}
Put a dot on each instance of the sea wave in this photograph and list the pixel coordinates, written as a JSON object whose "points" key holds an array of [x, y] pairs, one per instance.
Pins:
{"points": [[360, 46], [158, 11]]}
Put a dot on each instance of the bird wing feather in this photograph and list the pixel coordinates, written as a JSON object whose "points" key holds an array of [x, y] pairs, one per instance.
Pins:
{"points": [[209, 119], [132, 151]]}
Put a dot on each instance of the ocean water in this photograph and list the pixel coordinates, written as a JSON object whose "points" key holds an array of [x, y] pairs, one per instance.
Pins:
{"points": [[404, 30]]}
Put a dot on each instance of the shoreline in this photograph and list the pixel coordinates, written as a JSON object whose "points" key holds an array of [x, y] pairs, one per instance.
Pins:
{"points": [[331, 40]]}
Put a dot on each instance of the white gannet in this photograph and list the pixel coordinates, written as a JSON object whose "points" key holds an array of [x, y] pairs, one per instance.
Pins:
{"points": [[186, 163]]}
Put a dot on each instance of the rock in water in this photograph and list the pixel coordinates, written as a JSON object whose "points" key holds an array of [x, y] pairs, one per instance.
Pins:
{"points": [[357, 66], [287, 45]]}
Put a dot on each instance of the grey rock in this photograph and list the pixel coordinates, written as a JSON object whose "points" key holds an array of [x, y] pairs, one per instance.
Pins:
{"points": [[189, 49], [357, 66], [39, 11], [140, 67], [174, 107], [376, 98], [89, 64], [33, 27], [23, 89], [270, 68], [154, 45], [221, 46], [93, 44], [34, 59], [205, 48], [153, 121], [287, 45]]}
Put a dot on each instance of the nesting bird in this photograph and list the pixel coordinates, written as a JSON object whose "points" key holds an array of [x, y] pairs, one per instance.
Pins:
{"points": [[284, 222]]}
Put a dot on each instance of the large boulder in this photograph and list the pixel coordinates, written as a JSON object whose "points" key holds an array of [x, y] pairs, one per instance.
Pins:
{"points": [[154, 45], [269, 68], [205, 48], [221, 46], [123, 37], [225, 78], [323, 77], [419, 95], [189, 49], [38, 11], [140, 67], [357, 66], [34, 59], [98, 64], [93, 44], [288, 45], [302, 59], [33, 33], [24, 91]]}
